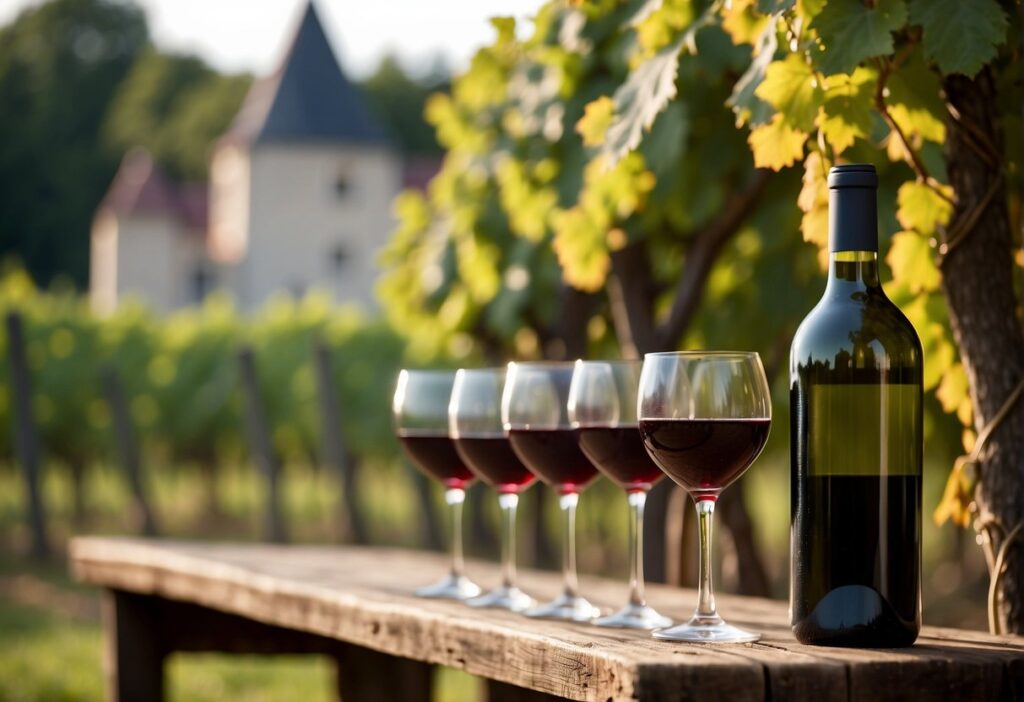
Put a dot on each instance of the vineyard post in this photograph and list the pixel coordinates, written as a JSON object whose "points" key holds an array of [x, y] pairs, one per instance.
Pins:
{"points": [[26, 439], [332, 444], [127, 446], [261, 446]]}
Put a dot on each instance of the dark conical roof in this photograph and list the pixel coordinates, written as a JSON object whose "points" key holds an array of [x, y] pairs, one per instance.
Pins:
{"points": [[308, 99]]}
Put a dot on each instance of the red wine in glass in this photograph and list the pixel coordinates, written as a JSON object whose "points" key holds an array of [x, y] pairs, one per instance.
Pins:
{"points": [[704, 455], [494, 461], [619, 453], [555, 457], [434, 453]]}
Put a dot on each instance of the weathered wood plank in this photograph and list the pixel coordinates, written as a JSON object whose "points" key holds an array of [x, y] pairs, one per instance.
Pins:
{"points": [[363, 596]]}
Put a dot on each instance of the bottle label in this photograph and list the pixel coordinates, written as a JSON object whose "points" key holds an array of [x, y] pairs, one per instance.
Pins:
{"points": [[864, 429]]}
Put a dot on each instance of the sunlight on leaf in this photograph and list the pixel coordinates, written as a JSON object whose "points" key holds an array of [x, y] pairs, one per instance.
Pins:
{"points": [[912, 94], [953, 393], [776, 144], [742, 23], [846, 113], [957, 497], [912, 263], [597, 117], [813, 200], [923, 209], [791, 88]]}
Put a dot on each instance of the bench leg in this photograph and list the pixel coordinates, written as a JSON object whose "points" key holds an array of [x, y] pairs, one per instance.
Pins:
{"points": [[364, 674], [133, 655], [504, 692]]}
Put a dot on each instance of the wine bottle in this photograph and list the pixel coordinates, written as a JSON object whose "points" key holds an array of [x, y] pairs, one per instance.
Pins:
{"points": [[856, 394]]}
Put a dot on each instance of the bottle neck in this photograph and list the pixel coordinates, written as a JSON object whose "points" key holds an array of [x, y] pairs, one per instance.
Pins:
{"points": [[853, 240], [852, 272]]}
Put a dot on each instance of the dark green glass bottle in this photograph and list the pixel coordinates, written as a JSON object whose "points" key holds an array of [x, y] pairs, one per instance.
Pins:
{"points": [[855, 392]]}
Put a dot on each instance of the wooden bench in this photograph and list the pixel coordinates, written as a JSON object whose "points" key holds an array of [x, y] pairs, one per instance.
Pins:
{"points": [[355, 604]]}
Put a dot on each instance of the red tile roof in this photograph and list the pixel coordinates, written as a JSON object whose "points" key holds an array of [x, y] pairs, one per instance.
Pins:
{"points": [[141, 187]]}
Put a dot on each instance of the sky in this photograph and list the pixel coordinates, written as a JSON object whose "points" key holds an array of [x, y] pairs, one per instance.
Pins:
{"points": [[249, 35]]}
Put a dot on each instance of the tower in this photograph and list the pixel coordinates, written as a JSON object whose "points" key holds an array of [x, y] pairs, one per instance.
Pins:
{"points": [[301, 185]]}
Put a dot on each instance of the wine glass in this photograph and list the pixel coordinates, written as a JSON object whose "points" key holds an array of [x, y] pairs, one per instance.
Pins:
{"points": [[602, 408], [535, 413], [420, 410], [704, 418], [474, 420]]}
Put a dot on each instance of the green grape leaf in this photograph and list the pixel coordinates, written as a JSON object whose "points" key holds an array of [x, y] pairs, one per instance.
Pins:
{"points": [[660, 28], [813, 200], [921, 208], [910, 259], [640, 99], [776, 144], [597, 117], [846, 113], [580, 246], [914, 102], [790, 87], [960, 37], [610, 195], [852, 31], [953, 393], [749, 108], [742, 23], [957, 500], [926, 313]]}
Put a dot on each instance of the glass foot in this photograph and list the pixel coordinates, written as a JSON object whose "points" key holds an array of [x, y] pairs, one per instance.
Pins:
{"points": [[452, 587], [635, 617], [504, 597], [569, 607], [706, 630]]}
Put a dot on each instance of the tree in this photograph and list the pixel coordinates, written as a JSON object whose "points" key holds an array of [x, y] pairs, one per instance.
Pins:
{"points": [[175, 106], [930, 90], [398, 101], [533, 241], [59, 65]]}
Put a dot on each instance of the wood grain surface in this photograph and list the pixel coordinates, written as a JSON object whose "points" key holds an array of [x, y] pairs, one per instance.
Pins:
{"points": [[364, 596]]}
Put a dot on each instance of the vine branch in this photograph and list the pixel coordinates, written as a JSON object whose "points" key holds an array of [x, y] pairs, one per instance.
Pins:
{"points": [[884, 71], [707, 244]]}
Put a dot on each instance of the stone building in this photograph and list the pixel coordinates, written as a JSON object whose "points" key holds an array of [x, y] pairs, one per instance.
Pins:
{"points": [[299, 197]]}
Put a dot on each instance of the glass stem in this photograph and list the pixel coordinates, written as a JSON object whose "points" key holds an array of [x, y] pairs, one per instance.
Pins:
{"points": [[508, 503], [567, 502], [706, 599], [455, 497], [637, 500]]}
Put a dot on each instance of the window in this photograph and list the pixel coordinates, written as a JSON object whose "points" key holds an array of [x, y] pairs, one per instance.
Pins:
{"points": [[342, 185], [202, 283], [338, 256]]}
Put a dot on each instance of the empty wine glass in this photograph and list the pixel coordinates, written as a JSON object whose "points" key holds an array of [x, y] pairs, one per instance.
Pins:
{"points": [[534, 411], [704, 418], [420, 409], [602, 408], [474, 417]]}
